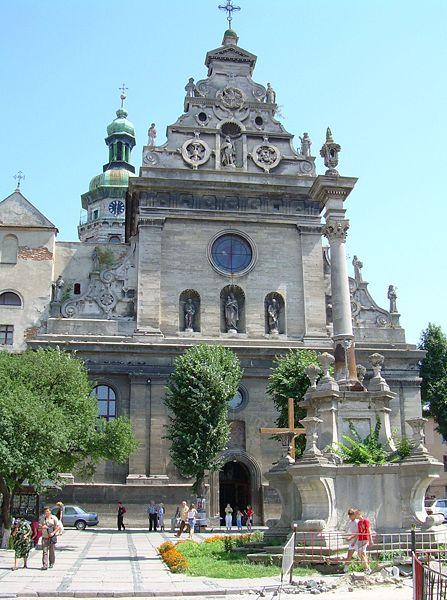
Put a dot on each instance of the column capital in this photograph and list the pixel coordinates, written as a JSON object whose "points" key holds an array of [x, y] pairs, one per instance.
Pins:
{"points": [[331, 191], [336, 229]]}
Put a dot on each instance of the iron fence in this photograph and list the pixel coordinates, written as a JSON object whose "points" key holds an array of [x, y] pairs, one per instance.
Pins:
{"points": [[429, 582]]}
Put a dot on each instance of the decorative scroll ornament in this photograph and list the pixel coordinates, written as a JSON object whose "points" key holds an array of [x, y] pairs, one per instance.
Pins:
{"points": [[231, 97], [150, 158], [336, 230], [266, 156], [195, 152]]}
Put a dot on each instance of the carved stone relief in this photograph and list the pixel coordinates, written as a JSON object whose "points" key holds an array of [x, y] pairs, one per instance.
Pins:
{"points": [[195, 152], [266, 156]]}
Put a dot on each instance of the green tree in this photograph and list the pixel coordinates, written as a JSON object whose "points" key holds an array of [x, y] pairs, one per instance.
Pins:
{"points": [[204, 379], [433, 372], [49, 422], [288, 379]]}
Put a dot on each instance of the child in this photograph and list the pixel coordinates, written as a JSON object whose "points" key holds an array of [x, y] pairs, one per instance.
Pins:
{"points": [[249, 513], [239, 520]]}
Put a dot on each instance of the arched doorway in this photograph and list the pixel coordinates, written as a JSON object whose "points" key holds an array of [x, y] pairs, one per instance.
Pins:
{"points": [[234, 487]]}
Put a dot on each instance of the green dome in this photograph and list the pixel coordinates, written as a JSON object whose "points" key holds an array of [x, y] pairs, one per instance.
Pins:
{"points": [[230, 33], [121, 124], [110, 178]]}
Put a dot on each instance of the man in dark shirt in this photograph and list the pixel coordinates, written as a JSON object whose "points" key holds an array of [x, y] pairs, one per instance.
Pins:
{"points": [[120, 516], [152, 513]]}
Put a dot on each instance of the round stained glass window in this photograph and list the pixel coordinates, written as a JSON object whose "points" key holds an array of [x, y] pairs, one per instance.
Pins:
{"points": [[236, 401], [231, 253]]}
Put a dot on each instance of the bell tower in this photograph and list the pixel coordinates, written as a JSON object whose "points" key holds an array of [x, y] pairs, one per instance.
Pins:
{"points": [[105, 199]]}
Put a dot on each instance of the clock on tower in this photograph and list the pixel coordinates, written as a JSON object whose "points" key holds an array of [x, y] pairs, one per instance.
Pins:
{"points": [[116, 207]]}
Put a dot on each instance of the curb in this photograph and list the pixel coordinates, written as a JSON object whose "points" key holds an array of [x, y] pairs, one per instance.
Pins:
{"points": [[139, 594]]}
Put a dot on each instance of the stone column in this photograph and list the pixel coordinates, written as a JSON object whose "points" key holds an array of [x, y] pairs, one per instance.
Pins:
{"points": [[331, 192]]}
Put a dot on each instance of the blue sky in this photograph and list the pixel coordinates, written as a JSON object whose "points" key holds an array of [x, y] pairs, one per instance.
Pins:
{"points": [[374, 71]]}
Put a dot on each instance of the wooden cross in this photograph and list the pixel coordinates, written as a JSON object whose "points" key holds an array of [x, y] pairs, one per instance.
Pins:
{"points": [[291, 431]]}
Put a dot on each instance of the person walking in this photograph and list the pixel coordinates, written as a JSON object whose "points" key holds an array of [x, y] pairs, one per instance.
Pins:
{"points": [[249, 513], [184, 510], [352, 534], [192, 516], [50, 527], [36, 534], [60, 511], [152, 512], [120, 516], [239, 516], [161, 516], [363, 539], [21, 541], [228, 517]]}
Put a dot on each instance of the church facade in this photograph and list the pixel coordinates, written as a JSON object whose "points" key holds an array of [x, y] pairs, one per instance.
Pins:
{"points": [[217, 240]]}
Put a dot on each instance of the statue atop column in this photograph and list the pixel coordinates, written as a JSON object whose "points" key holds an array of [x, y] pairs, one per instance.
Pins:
{"points": [[231, 312], [392, 296], [227, 153], [151, 135], [189, 311], [358, 266], [273, 315], [190, 88], [329, 152], [305, 144], [270, 95]]}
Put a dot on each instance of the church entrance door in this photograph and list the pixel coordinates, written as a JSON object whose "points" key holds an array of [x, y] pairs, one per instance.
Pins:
{"points": [[234, 488]]}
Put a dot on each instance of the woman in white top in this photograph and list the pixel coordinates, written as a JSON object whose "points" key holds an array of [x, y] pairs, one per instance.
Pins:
{"points": [[192, 515], [228, 517]]}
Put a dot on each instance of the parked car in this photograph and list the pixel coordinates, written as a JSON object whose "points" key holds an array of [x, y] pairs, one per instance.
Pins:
{"points": [[438, 507], [75, 516]]}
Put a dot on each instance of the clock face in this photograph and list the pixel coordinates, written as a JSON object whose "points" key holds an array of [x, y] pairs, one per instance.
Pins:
{"points": [[116, 207]]}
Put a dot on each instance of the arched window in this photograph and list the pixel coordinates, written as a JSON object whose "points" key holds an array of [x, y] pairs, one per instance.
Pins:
{"points": [[106, 398], [115, 239], [10, 299], [8, 249]]}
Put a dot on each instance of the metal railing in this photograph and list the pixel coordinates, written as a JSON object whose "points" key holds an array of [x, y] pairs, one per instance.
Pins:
{"points": [[429, 583], [331, 547]]}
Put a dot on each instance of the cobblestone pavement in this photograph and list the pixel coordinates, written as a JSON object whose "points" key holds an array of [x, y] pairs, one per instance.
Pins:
{"points": [[108, 563]]}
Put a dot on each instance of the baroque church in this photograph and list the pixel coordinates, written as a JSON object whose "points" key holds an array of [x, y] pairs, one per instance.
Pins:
{"points": [[224, 236]]}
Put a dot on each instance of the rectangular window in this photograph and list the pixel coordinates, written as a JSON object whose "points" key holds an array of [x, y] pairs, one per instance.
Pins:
{"points": [[95, 214], [6, 335], [445, 462]]}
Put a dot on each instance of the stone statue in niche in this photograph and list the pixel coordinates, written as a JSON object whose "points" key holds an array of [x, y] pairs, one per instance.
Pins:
{"points": [[227, 153], [190, 88], [392, 296], [190, 311], [358, 266], [151, 135], [305, 144], [58, 287], [270, 95], [231, 313], [273, 315]]}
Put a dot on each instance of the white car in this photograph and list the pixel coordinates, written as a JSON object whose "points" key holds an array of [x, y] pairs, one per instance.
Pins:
{"points": [[439, 507]]}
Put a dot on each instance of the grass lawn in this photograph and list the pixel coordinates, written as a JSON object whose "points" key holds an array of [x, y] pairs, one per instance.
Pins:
{"points": [[211, 560]]}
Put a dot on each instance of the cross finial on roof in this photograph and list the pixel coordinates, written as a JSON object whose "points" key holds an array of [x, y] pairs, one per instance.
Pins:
{"points": [[19, 177], [123, 90], [229, 8]]}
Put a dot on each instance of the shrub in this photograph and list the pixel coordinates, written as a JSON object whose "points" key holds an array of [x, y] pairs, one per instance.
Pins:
{"points": [[215, 538], [362, 452]]}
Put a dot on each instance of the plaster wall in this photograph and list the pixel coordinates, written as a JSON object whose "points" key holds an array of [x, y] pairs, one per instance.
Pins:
{"points": [[31, 279]]}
